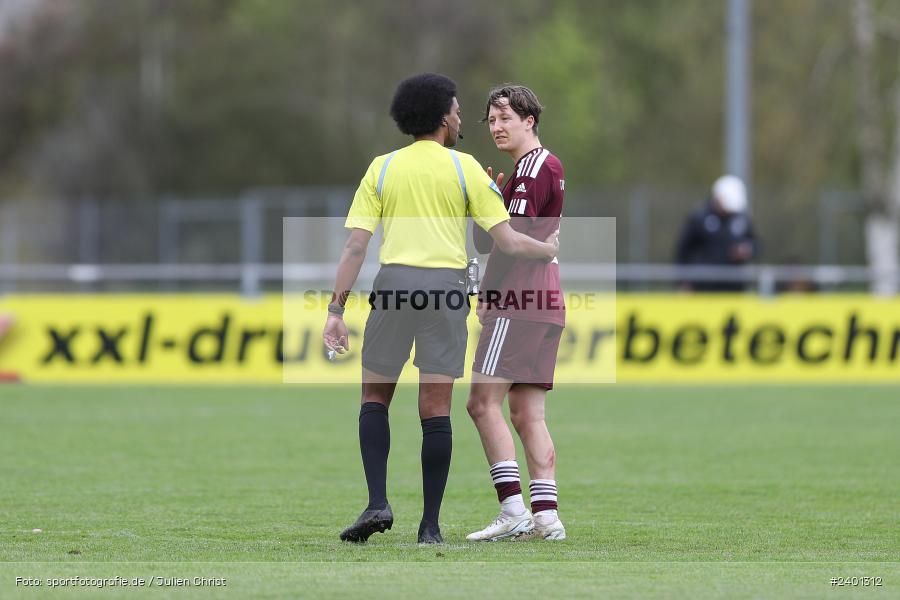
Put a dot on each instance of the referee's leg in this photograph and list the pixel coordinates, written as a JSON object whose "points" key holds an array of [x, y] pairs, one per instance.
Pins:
{"points": [[440, 340], [387, 341], [435, 392], [375, 435], [374, 446]]}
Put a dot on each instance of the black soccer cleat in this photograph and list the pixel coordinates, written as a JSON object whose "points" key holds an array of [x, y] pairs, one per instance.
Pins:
{"points": [[371, 521], [430, 533]]}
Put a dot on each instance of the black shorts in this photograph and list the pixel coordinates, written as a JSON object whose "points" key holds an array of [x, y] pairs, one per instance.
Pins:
{"points": [[414, 304]]}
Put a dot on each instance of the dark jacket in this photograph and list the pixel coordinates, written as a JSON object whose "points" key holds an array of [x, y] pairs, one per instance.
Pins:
{"points": [[710, 238]]}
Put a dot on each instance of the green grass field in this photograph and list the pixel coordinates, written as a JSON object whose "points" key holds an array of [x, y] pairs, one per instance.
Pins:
{"points": [[665, 492]]}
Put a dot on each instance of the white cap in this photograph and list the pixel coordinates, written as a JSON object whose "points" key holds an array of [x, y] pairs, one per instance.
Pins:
{"points": [[731, 193]]}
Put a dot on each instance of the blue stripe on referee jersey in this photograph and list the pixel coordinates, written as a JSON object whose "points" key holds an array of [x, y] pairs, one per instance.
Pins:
{"points": [[459, 173], [383, 171]]}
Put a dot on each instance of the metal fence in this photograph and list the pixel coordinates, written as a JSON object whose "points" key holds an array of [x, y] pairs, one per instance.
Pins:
{"points": [[229, 242], [254, 278]]}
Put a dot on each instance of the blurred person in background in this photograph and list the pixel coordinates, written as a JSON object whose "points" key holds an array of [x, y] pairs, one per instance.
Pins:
{"points": [[718, 233], [796, 284]]}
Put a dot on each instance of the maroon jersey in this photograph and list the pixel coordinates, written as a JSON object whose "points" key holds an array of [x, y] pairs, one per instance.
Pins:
{"points": [[521, 288]]}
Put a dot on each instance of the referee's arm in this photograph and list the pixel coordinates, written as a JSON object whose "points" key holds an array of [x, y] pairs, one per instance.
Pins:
{"points": [[352, 257], [483, 241], [511, 242], [485, 203], [351, 261]]}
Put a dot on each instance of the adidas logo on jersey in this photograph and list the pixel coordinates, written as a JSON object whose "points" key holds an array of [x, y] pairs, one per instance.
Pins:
{"points": [[520, 189]]}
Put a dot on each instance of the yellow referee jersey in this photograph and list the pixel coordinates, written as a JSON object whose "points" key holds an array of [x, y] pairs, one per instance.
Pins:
{"points": [[422, 194]]}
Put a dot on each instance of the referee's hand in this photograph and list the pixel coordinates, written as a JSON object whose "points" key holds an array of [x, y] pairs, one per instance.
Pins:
{"points": [[481, 311], [553, 240], [335, 335]]}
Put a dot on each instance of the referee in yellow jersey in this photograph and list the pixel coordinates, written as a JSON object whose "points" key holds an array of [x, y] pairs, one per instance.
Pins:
{"points": [[421, 194]]}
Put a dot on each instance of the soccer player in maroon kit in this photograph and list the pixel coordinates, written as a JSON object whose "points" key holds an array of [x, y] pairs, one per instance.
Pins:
{"points": [[523, 314]]}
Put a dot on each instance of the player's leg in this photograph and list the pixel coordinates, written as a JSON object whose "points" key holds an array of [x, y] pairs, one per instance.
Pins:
{"points": [[485, 407], [527, 400], [435, 392], [490, 382], [487, 392], [527, 413]]}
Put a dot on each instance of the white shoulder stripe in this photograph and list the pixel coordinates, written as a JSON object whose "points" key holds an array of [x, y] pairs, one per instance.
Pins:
{"points": [[528, 162], [522, 162], [525, 163], [538, 163]]}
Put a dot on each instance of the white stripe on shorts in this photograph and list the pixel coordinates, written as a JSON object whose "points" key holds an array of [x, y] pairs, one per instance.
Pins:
{"points": [[492, 366], [487, 354]]}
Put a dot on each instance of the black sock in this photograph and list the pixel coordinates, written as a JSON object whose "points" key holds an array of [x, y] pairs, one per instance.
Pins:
{"points": [[437, 445], [374, 445]]}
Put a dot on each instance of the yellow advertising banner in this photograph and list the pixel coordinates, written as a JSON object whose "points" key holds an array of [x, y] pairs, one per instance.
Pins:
{"points": [[628, 338]]}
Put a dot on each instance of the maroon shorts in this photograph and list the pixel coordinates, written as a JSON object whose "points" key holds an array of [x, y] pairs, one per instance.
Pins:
{"points": [[521, 351]]}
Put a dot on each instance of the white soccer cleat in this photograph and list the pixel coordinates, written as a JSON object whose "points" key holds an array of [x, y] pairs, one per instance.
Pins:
{"points": [[504, 526], [553, 531]]}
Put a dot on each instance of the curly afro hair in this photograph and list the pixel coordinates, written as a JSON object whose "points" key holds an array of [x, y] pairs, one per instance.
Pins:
{"points": [[421, 101]]}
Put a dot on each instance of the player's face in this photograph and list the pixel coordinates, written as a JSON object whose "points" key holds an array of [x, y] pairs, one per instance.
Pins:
{"points": [[508, 129], [454, 122]]}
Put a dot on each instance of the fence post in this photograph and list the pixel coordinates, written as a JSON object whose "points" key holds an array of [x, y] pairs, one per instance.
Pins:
{"points": [[9, 226], [88, 237], [169, 215], [638, 230], [766, 282], [827, 234], [251, 243], [88, 231]]}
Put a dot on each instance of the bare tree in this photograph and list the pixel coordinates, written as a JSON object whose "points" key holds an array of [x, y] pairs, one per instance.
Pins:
{"points": [[880, 180]]}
